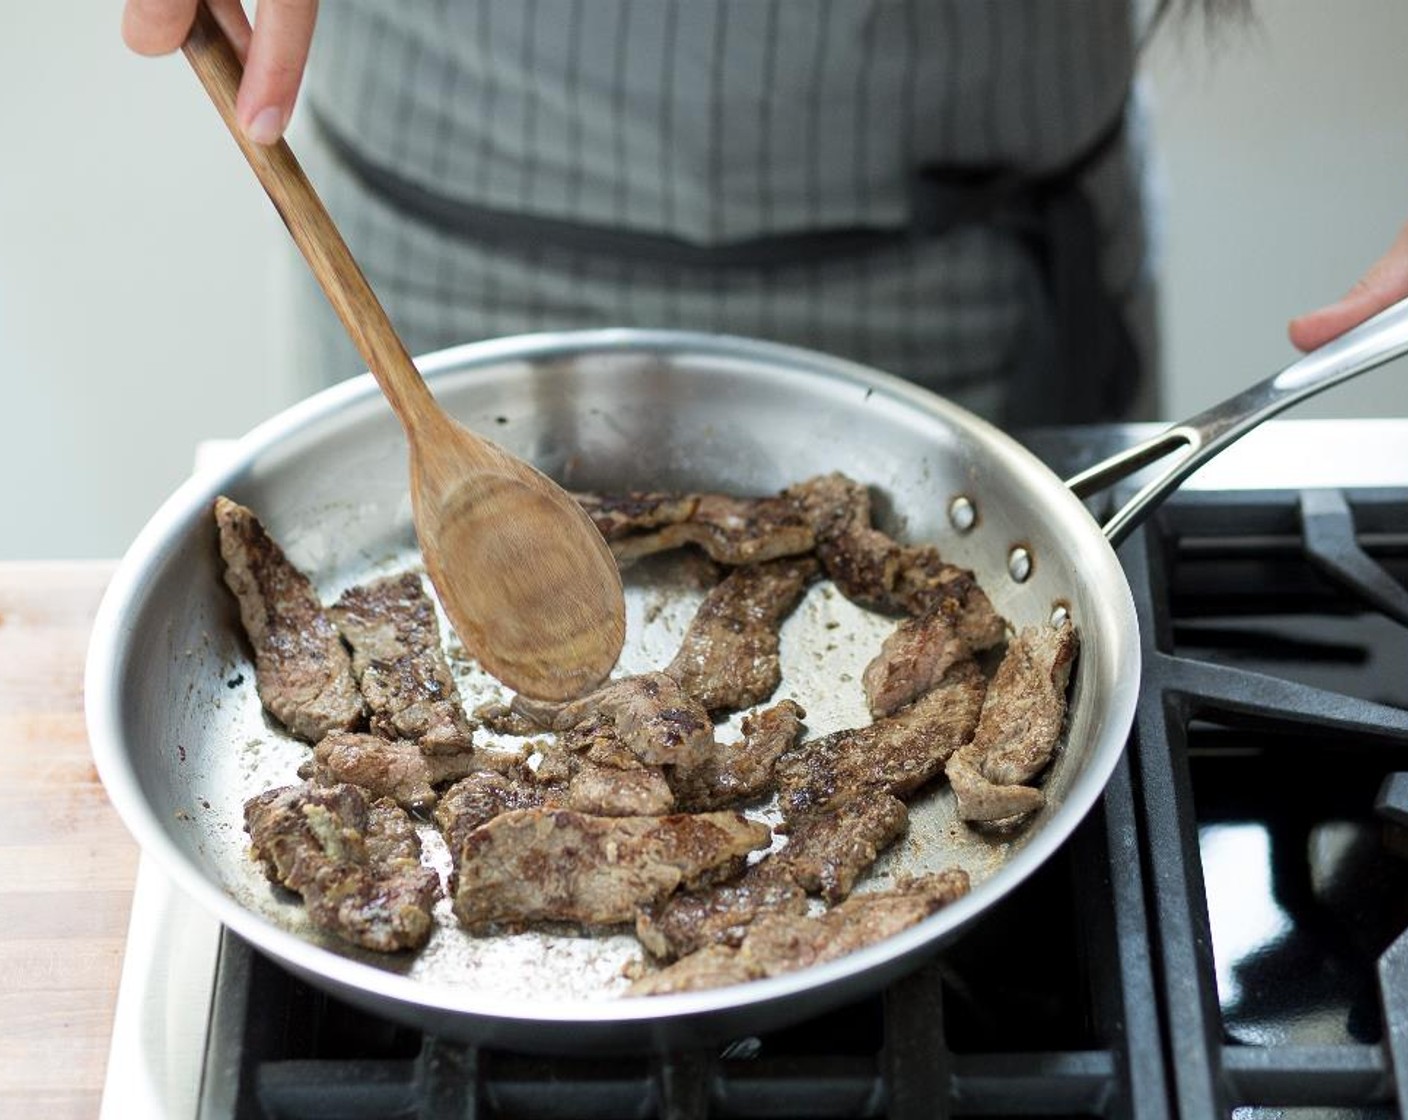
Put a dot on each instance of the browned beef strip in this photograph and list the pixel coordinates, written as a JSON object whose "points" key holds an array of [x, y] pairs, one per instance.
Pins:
{"points": [[959, 622], [981, 800], [730, 530], [480, 797], [873, 569], [729, 657], [400, 665], [620, 515], [777, 943], [1020, 724], [862, 561], [302, 671], [355, 862], [535, 865], [605, 778], [652, 716], [688, 921], [826, 853], [894, 755], [736, 772], [398, 769], [502, 719]]}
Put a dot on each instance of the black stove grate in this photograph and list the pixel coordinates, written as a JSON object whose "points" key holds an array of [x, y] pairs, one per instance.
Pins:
{"points": [[1266, 777], [1279, 995]]}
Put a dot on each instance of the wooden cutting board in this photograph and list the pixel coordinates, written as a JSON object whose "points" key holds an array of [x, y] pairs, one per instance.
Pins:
{"points": [[67, 864]]}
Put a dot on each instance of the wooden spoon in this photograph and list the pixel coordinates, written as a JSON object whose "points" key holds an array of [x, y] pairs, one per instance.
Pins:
{"points": [[523, 574]]}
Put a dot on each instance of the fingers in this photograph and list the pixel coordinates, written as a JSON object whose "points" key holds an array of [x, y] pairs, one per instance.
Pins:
{"points": [[229, 14], [156, 26], [1385, 283], [278, 52]]}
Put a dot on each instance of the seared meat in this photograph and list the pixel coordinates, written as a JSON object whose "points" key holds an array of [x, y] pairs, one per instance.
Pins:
{"points": [[480, 797], [501, 719], [400, 665], [730, 530], [1021, 721], [398, 768], [777, 943], [737, 771], [729, 657], [957, 624], [607, 779], [302, 672], [609, 791], [534, 865], [691, 920], [894, 755], [876, 571], [982, 800], [356, 863], [619, 515], [651, 715], [827, 852]]}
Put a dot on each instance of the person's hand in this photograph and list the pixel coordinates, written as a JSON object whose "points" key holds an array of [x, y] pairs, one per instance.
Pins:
{"points": [[1385, 283], [274, 51]]}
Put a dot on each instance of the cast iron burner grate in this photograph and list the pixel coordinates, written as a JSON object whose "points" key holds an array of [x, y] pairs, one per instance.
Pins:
{"points": [[1223, 936], [1270, 761]]}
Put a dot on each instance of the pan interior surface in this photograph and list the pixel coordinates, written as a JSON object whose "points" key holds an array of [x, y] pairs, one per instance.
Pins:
{"points": [[182, 742]]}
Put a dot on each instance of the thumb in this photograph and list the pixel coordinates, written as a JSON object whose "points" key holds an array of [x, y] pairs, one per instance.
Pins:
{"points": [[1385, 283]]}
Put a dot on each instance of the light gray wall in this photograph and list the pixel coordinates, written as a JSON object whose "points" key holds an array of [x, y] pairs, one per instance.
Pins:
{"points": [[136, 262], [139, 262], [1284, 157]]}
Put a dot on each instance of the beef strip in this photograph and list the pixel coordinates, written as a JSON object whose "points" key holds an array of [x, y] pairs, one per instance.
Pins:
{"points": [[1020, 724], [356, 862], [502, 719], [688, 921], [743, 770], [729, 657], [302, 671], [876, 571], [400, 664], [621, 515], [651, 714], [894, 755], [730, 530], [826, 853], [533, 865], [959, 622], [862, 561], [397, 768], [604, 777], [776, 943], [480, 797]]}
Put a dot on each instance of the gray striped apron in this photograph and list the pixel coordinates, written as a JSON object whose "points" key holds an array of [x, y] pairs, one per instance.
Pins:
{"points": [[784, 169]]}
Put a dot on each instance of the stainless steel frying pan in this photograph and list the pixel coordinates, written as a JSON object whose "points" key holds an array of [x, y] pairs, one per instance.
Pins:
{"points": [[181, 742]]}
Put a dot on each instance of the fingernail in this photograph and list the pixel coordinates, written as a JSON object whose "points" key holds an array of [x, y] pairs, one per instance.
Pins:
{"points": [[267, 126]]}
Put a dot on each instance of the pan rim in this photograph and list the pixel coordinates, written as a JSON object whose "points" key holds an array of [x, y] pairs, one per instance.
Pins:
{"points": [[115, 764]]}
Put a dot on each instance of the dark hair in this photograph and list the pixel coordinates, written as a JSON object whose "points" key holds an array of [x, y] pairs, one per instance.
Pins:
{"points": [[1215, 16]]}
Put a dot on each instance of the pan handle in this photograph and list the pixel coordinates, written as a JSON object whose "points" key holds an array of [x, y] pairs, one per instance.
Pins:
{"points": [[1198, 439]]}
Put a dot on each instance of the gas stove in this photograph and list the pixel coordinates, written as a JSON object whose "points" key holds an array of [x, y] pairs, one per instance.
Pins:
{"points": [[1226, 934]]}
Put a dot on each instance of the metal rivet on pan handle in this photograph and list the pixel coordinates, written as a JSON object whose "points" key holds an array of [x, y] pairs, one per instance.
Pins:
{"points": [[962, 514], [1019, 564], [1059, 613]]}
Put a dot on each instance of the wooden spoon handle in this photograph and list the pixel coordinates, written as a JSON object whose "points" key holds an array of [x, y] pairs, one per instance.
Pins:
{"points": [[218, 67]]}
